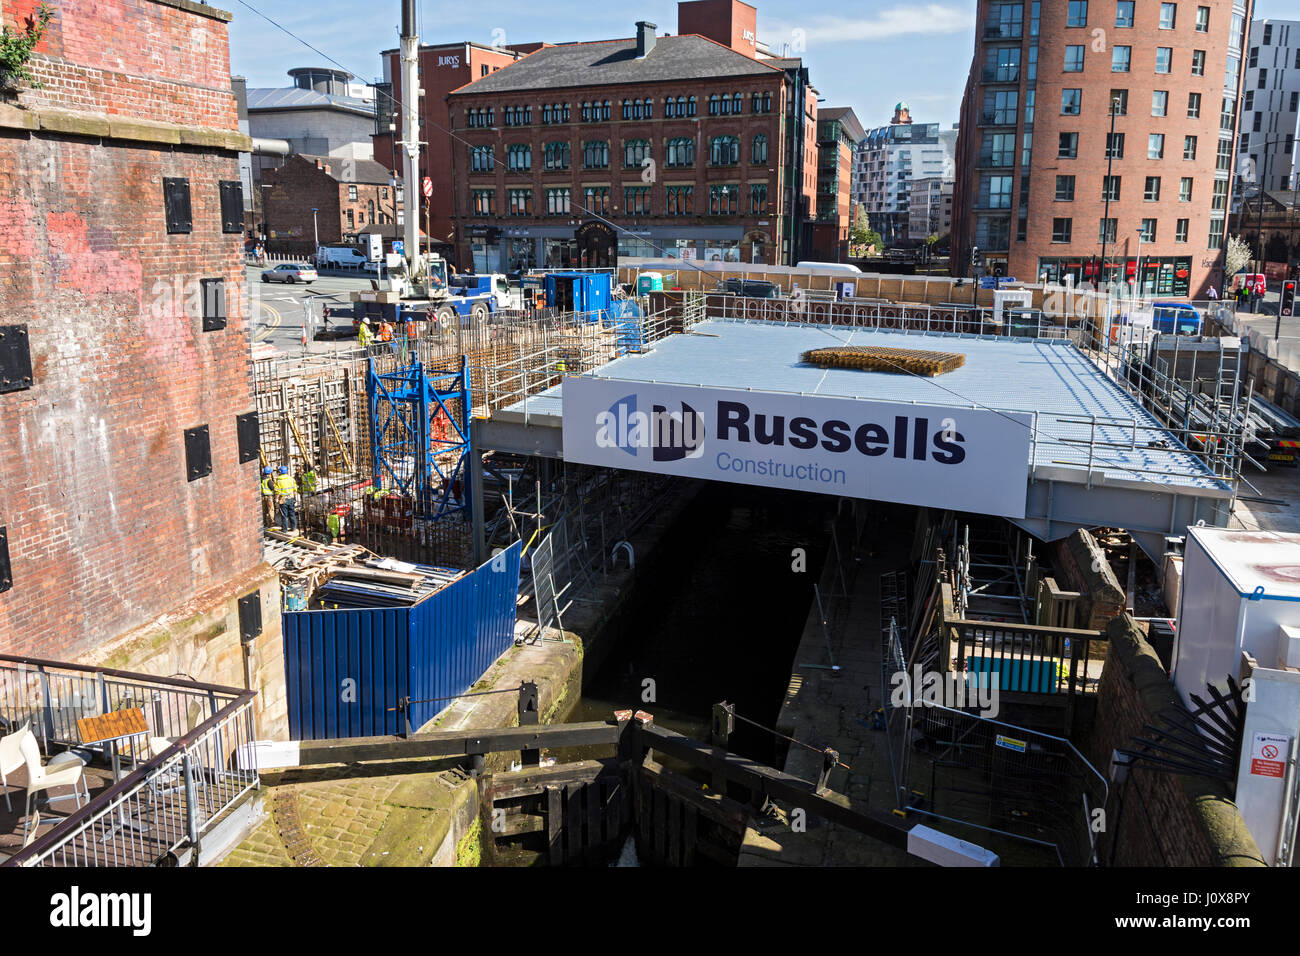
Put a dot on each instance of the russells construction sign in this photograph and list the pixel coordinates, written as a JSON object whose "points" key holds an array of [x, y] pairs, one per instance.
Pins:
{"points": [[962, 459]]}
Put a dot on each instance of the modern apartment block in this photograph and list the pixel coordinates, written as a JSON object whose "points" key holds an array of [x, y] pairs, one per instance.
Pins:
{"points": [[889, 159], [1270, 105], [690, 146], [1045, 188], [930, 208], [838, 135]]}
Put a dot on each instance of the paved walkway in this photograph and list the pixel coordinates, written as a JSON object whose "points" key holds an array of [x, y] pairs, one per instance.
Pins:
{"points": [[833, 708]]}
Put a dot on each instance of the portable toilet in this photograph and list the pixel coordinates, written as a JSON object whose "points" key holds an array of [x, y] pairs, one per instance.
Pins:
{"points": [[649, 282]]}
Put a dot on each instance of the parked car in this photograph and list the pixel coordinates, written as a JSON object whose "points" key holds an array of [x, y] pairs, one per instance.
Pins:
{"points": [[750, 288], [290, 272]]}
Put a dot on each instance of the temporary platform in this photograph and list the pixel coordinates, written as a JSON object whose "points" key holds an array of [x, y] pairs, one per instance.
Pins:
{"points": [[1033, 429]]}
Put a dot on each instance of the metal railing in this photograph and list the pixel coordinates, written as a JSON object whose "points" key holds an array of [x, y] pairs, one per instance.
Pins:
{"points": [[1026, 658], [175, 793]]}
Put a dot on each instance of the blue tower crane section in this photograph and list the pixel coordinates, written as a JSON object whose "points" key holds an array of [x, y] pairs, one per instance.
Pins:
{"points": [[420, 437]]}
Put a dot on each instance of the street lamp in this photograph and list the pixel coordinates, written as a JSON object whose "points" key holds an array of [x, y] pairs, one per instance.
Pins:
{"points": [[1110, 158], [314, 234], [266, 227]]}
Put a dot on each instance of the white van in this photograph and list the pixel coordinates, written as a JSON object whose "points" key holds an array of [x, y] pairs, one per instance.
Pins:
{"points": [[845, 267], [343, 257]]}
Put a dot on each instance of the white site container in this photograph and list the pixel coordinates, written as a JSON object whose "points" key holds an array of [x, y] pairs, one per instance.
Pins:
{"points": [[1239, 614], [1238, 588]]}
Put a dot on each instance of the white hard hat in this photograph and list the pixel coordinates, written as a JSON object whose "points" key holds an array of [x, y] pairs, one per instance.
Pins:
{"points": [[365, 320]]}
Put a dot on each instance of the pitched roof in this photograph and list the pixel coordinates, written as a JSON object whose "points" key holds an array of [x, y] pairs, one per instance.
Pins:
{"points": [[363, 171], [614, 62]]}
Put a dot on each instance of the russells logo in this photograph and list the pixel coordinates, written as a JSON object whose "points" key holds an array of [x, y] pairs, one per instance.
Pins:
{"points": [[666, 435]]}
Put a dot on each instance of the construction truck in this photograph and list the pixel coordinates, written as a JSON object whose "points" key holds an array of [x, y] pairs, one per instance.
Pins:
{"points": [[425, 292]]}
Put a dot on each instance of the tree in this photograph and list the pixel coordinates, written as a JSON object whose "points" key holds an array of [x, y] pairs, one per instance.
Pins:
{"points": [[862, 235], [1237, 256]]}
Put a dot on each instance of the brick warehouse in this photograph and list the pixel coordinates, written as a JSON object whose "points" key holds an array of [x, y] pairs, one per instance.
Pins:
{"points": [[349, 195], [125, 548], [1032, 192], [691, 147]]}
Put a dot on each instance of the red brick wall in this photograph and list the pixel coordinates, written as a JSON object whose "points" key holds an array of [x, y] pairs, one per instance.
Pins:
{"points": [[728, 22], [105, 533], [135, 58]]}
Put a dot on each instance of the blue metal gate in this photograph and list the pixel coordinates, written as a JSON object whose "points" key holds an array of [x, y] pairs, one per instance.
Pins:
{"points": [[346, 670]]}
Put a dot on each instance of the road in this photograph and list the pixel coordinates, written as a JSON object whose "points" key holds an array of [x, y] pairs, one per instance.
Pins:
{"points": [[277, 311]]}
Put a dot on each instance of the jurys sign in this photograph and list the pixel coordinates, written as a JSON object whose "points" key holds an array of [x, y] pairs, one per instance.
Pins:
{"points": [[961, 459]]}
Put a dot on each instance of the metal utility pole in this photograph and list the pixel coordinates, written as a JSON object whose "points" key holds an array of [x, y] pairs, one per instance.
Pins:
{"points": [[315, 233], [1105, 216], [410, 45]]}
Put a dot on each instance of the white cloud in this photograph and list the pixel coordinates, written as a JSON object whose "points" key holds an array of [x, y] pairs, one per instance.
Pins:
{"points": [[908, 20]]}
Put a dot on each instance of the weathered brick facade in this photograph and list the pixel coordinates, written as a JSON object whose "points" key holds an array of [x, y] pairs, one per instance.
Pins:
{"points": [[348, 195], [109, 541]]}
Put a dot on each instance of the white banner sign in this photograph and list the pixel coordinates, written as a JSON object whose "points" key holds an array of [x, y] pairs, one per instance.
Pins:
{"points": [[953, 458]]}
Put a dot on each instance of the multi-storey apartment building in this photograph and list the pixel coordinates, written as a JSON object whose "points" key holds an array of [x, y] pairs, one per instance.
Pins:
{"points": [[1270, 104], [1045, 188], [889, 159], [930, 208], [687, 146], [838, 134]]}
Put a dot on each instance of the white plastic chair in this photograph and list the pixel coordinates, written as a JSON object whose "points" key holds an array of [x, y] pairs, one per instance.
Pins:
{"points": [[11, 759], [62, 771]]}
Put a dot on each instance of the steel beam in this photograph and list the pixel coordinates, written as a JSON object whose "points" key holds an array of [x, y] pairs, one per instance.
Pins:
{"points": [[455, 743]]}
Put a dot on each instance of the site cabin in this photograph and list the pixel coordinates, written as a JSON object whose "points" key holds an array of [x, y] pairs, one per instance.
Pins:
{"points": [[494, 284]]}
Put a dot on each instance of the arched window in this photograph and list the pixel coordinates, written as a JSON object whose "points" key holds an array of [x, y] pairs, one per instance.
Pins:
{"points": [[519, 157], [635, 151], [737, 104], [759, 155], [724, 151], [714, 108], [690, 106], [681, 152]]}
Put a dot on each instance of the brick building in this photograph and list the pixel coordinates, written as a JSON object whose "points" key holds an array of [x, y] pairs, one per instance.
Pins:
{"points": [[131, 517], [838, 135], [686, 146], [1044, 189], [442, 68], [349, 195]]}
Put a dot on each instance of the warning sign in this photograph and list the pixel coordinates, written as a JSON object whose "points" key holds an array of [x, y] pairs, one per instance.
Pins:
{"points": [[1010, 743], [1268, 755]]}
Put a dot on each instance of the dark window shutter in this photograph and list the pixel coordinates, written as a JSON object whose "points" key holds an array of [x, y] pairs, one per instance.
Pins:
{"points": [[232, 206], [214, 304], [6, 575], [198, 453], [15, 359], [176, 200], [250, 438]]}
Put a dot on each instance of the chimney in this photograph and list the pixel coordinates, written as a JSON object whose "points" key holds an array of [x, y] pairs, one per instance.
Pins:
{"points": [[645, 38]]}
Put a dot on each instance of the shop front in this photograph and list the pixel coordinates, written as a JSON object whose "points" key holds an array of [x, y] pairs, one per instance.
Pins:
{"points": [[1160, 275]]}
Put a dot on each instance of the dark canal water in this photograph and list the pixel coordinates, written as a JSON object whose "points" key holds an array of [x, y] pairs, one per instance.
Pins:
{"points": [[716, 614]]}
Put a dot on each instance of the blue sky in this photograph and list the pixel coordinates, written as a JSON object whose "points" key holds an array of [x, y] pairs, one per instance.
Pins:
{"points": [[867, 55]]}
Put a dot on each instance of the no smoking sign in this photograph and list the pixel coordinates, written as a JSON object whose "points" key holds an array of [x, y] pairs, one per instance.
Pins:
{"points": [[1268, 755]]}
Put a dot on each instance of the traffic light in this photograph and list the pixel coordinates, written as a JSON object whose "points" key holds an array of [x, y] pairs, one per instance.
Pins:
{"points": [[975, 255], [1287, 305]]}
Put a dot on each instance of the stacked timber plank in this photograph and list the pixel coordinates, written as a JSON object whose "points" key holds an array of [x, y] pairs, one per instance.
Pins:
{"points": [[335, 577], [880, 359]]}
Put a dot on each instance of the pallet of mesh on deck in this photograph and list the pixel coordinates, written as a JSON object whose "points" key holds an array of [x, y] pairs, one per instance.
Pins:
{"points": [[876, 358]]}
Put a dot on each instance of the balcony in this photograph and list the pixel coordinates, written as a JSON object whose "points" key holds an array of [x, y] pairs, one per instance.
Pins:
{"points": [[1002, 31], [153, 795], [998, 118], [1003, 159], [1001, 74]]}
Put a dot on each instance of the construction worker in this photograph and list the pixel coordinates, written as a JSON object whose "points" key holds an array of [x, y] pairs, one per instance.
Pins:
{"points": [[268, 495], [385, 331], [364, 335], [287, 493], [307, 480]]}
